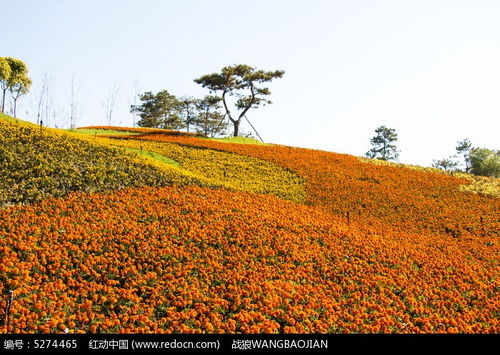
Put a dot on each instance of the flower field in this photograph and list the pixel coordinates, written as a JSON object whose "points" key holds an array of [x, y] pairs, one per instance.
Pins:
{"points": [[38, 163], [218, 168], [204, 260], [266, 238], [407, 200]]}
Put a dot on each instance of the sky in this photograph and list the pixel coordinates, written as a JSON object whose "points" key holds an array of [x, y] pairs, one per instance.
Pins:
{"points": [[428, 69]]}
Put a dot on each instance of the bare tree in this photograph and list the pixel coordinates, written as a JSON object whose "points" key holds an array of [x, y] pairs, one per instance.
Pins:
{"points": [[133, 102], [17, 90], [75, 112], [49, 100], [73, 103], [110, 102], [40, 97]]}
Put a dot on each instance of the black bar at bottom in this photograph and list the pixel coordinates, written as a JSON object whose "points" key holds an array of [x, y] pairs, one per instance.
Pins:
{"points": [[234, 343]]}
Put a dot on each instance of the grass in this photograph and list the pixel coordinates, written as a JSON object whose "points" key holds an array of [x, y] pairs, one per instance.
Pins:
{"points": [[91, 132], [100, 131], [239, 140], [17, 120], [155, 156]]}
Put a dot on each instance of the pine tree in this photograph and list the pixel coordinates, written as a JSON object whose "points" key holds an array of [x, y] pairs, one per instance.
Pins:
{"points": [[383, 147]]}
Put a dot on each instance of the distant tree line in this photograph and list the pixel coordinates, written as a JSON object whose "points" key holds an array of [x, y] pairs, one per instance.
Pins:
{"points": [[473, 160], [165, 110], [241, 82], [14, 79], [468, 159]]}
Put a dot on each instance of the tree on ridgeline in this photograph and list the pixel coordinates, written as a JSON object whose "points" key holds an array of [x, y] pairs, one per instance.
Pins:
{"points": [[241, 82], [110, 102], [5, 72], [19, 87], [188, 111], [464, 149], [383, 146], [13, 78], [161, 110], [484, 162], [149, 110], [75, 99], [476, 161], [210, 120], [446, 164], [452, 163]]}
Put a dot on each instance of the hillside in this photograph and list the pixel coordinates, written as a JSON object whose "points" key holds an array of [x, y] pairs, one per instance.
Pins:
{"points": [[37, 163], [266, 238]]}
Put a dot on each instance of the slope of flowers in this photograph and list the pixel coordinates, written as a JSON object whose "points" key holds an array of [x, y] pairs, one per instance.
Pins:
{"points": [[483, 185], [219, 168], [390, 197], [36, 163], [206, 260], [487, 186]]}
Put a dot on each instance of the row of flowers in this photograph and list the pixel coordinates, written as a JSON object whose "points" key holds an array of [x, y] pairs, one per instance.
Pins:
{"points": [[219, 168]]}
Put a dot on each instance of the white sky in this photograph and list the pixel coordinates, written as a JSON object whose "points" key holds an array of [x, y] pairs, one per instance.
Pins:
{"points": [[429, 69]]}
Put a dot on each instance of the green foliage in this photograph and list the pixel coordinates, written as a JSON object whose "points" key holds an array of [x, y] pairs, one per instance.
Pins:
{"points": [[239, 140], [187, 108], [484, 162], [463, 148], [161, 110], [36, 163], [477, 161], [19, 87], [104, 132], [240, 81], [14, 78], [19, 69], [210, 120], [383, 147], [5, 72], [153, 155], [446, 164]]}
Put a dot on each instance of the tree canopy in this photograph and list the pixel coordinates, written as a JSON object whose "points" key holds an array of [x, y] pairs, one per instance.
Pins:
{"points": [[243, 83], [485, 162], [188, 111], [210, 121], [159, 110], [13, 77], [19, 88], [463, 148], [383, 146], [477, 161], [165, 110], [5, 72]]}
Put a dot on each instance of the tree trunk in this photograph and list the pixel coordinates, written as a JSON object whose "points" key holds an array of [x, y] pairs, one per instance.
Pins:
{"points": [[236, 128], [3, 100], [206, 128], [15, 107]]}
